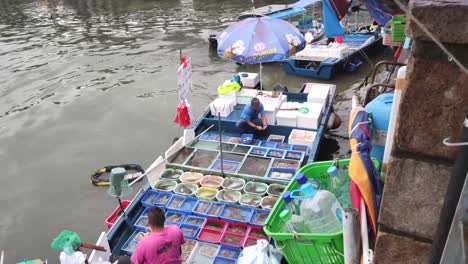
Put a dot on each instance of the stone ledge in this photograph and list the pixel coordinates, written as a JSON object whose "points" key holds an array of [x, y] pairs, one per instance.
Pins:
{"points": [[446, 20], [393, 249], [413, 196], [432, 107]]}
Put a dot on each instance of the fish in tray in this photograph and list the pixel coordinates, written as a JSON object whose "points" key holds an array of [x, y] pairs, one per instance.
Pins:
{"points": [[281, 175], [215, 209], [202, 207], [187, 249]]}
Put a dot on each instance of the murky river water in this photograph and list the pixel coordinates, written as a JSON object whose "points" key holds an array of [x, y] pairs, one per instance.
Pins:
{"points": [[88, 83]]}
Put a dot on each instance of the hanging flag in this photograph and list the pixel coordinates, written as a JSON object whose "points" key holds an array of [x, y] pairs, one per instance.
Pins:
{"points": [[330, 19], [184, 77]]}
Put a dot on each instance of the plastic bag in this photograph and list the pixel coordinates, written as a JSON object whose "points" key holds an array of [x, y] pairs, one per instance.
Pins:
{"points": [[262, 253]]}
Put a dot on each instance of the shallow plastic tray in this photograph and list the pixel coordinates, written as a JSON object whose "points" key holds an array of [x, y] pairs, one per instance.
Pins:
{"points": [[237, 228], [201, 212], [295, 153], [161, 201], [229, 252], [268, 144], [176, 202], [215, 209], [194, 220], [196, 257], [255, 151], [181, 215], [273, 153], [188, 204], [215, 224], [237, 213], [231, 239], [292, 172], [221, 260], [146, 201], [209, 235], [139, 224], [131, 241], [284, 146], [259, 217], [190, 231], [246, 139], [228, 166]]}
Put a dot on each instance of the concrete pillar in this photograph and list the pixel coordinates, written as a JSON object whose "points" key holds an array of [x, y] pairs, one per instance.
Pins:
{"points": [[433, 107]]}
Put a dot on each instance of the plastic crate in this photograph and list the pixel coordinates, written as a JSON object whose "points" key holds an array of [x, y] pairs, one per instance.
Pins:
{"points": [[215, 210], [294, 155], [275, 153], [149, 198], [258, 151], [256, 142], [209, 235], [275, 173], [276, 138], [284, 146], [237, 228], [215, 224], [201, 208], [251, 241], [176, 202], [237, 213], [131, 243], [259, 217], [199, 255], [190, 231], [163, 198], [398, 24], [301, 148], [221, 260], [141, 222], [313, 248], [229, 252], [175, 216], [228, 166], [116, 213], [188, 204], [194, 220], [258, 233], [268, 144], [231, 239], [246, 139], [387, 38], [353, 65]]}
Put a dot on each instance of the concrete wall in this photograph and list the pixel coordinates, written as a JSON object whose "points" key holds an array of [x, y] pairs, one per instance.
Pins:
{"points": [[433, 106]]}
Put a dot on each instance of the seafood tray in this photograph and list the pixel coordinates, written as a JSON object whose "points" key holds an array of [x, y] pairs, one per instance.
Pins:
{"points": [[246, 139], [295, 155], [275, 153], [276, 189], [268, 144], [191, 177], [228, 196], [215, 209], [241, 149], [188, 204], [149, 198], [215, 224], [226, 146], [142, 222], [232, 239], [221, 260], [165, 185], [187, 249], [233, 156], [175, 216], [228, 166], [229, 252], [276, 138], [131, 243], [285, 163], [212, 181], [170, 174], [233, 183], [206, 193], [209, 235], [182, 155], [250, 241], [194, 220], [256, 166], [234, 140], [259, 217], [258, 233], [284, 146], [203, 253], [163, 198], [258, 188], [268, 202], [237, 213], [189, 231], [237, 228], [301, 148], [258, 151], [176, 202], [249, 199], [186, 188], [282, 173], [201, 208]]}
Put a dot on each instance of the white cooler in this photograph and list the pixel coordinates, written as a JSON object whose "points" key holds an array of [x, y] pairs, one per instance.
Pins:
{"points": [[249, 79], [310, 120], [302, 137], [286, 118], [267, 98], [270, 113], [318, 93], [224, 105], [244, 96]]}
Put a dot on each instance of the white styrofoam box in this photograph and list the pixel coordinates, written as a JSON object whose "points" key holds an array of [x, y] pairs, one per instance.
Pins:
{"points": [[290, 105], [270, 114], [223, 105], [311, 119], [319, 92], [286, 118], [284, 98], [270, 98], [232, 95], [251, 80], [338, 51], [244, 96], [302, 137], [313, 52]]}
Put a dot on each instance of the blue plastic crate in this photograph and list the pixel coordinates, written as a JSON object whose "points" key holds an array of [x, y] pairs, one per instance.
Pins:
{"points": [[188, 204], [301, 148], [246, 139], [221, 260], [201, 203], [175, 216], [298, 155], [194, 220], [176, 202], [353, 65], [285, 146], [215, 210], [168, 223], [259, 217], [163, 199], [255, 151], [268, 144], [190, 231], [149, 198], [131, 242], [281, 170], [272, 153], [140, 222], [229, 252], [237, 213], [228, 166], [145, 212], [256, 142]]}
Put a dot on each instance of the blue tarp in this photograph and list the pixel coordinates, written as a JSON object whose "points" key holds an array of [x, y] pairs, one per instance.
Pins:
{"points": [[377, 11], [305, 3], [330, 21]]}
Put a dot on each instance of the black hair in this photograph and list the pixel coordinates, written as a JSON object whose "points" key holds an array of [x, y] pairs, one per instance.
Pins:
{"points": [[255, 101], [156, 217]]}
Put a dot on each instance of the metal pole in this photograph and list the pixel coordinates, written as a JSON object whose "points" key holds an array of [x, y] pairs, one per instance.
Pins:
{"points": [[121, 206], [261, 81], [351, 239], [220, 143], [452, 196], [366, 253]]}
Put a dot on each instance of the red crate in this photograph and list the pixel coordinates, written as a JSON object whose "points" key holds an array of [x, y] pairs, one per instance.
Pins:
{"points": [[231, 239], [250, 241], [209, 235], [237, 228], [215, 224], [112, 217], [257, 233]]}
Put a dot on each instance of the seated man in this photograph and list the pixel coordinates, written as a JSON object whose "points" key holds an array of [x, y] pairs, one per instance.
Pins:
{"points": [[162, 245], [249, 122]]}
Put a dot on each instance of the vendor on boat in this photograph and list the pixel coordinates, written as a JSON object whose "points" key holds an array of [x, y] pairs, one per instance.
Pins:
{"points": [[249, 120]]}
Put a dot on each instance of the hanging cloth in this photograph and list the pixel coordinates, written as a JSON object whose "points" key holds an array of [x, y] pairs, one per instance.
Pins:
{"points": [[331, 21], [182, 117]]}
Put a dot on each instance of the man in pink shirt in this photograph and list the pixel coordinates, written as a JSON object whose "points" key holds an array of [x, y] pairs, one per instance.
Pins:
{"points": [[162, 245]]}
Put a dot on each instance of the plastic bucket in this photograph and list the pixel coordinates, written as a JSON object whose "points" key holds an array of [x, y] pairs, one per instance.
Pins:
{"points": [[268, 202], [206, 193], [165, 185], [258, 188], [212, 181], [170, 174], [231, 183], [228, 196], [191, 177], [249, 199], [276, 189], [186, 188]]}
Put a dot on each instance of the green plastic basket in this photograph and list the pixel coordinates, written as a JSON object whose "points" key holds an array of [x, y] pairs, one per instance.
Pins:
{"points": [[398, 24]]}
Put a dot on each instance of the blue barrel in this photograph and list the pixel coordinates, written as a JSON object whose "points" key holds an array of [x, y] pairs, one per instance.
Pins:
{"points": [[380, 108]]}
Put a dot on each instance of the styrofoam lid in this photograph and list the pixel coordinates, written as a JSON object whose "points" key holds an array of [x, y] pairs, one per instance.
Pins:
{"points": [[315, 109], [286, 114]]}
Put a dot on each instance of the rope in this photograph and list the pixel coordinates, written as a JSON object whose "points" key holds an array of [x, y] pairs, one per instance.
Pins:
{"points": [[433, 38], [453, 144]]}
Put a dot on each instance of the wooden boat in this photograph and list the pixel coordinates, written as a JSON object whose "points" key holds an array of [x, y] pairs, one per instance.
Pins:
{"points": [[199, 152]]}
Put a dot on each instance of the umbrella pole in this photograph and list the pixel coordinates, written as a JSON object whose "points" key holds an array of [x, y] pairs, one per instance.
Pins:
{"points": [[366, 252], [220, 143], [261, 81]]}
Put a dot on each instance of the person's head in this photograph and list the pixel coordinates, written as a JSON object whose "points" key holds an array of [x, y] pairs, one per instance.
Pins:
{"points": [[255, 104], [156, 217]]}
